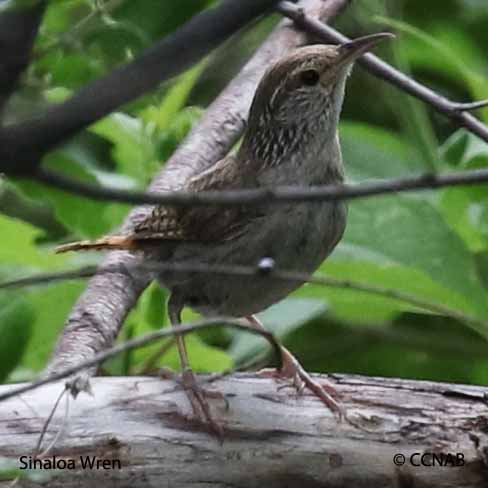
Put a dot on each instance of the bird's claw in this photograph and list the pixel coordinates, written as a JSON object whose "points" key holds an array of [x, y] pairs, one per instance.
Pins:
{"points": [[200, 406], [300, 379]]}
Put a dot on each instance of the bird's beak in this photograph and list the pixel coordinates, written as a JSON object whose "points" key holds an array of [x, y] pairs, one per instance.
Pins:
{"points": [[352, 50]]}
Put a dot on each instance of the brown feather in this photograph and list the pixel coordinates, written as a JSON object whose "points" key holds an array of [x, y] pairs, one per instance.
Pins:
{"points": [[203, 223], [105, 243]]}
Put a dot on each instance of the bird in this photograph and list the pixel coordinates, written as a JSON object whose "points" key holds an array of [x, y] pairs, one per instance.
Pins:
{"points": [[291, 138]]}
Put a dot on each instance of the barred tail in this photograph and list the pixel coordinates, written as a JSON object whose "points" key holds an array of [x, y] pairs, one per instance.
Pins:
{"points": [[109, 242]]}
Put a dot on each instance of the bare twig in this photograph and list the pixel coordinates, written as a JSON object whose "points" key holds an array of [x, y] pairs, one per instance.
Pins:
{"points": [[255, 196], [469, 106], [36, 453], [143, 341], [477, 324]]}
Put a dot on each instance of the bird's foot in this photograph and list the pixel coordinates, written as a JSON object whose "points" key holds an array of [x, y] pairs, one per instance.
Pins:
{"points": [[198, 399], [323, 390]]}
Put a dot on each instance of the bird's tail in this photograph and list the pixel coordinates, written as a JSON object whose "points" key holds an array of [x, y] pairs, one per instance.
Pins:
{"points": [[105, 243]]}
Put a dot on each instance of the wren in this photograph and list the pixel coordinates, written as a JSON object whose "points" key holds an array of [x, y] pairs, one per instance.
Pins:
{"points": [[291, 139]]}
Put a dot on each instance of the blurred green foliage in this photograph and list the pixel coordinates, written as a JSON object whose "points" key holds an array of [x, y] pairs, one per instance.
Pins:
{"points": [[433, 245]]}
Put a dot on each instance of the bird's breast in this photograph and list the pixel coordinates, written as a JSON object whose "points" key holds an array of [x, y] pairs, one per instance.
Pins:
{"points": [[297, 237]]}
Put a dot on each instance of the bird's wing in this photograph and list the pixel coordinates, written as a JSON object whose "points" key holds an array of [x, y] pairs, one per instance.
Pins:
{"points": [[202, 223]]}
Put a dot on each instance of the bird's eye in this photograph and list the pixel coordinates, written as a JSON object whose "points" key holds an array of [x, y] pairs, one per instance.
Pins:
{"points": [[310, 77]]}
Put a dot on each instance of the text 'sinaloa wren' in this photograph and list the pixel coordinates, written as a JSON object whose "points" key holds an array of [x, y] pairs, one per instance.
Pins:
{"points": [[291, 139]]}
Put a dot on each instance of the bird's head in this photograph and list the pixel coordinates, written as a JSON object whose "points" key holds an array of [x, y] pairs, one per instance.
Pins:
{"points": [[309, 83]]}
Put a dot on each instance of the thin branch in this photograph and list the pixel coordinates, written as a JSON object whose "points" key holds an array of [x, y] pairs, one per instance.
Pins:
{"points": [[278, 194], [143, 341], [455, 111], [47, 422], [469, 106], [267, 269], [43, 278], [23, 145]]}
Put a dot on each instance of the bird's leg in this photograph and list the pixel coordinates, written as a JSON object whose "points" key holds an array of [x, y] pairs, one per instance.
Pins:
{"points": [[292, 369], [196, 395]]}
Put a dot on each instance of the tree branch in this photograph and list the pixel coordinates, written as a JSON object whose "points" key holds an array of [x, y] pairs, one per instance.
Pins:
{"points": [[99, 313], [271, 437]]}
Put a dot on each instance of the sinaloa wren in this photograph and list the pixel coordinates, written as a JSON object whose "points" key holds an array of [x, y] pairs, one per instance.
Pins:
{"points": [[291, 139]]}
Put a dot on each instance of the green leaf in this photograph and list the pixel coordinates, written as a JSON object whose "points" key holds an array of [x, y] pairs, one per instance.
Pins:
{"points": [[76, 212], [281, 319], [75, 70], [154, 305], [169, 139], [466, 215], [410, 232], [413, 346], [60, 16], [404, 235], [447, 49], [10, 469], [57, 94], [174, 100], [133, 148], [16, 320], [202, 356], [466, 208], [371, 152], [149, 315], [440, 53], [464, 148], [51, 306], [43, 308], [19, 246], [360, 306]]}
